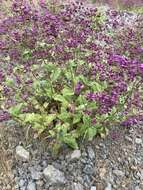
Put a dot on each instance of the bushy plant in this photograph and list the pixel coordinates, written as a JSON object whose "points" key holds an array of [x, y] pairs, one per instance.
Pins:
{"points": [[71, 72]]}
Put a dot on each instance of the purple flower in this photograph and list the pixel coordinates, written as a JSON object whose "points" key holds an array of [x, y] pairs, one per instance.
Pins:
{"points": [[78, 87]]}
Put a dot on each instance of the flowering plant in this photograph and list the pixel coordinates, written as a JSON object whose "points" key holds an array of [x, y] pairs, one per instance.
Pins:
{"points": [[69, 72]]}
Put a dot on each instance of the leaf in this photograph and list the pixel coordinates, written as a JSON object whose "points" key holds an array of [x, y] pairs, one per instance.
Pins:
{"points": [[91, 132], [27, 54], [71, 141], [67, 92], [40, 128], [76, 118], [45, 105], [56, 148], [49, 67], [9, 82], [86, 120], [15, 110], [49, 118], [97, 87], [30, 117], [60, 98], [64, 116], [92, 105], [55, 75]]}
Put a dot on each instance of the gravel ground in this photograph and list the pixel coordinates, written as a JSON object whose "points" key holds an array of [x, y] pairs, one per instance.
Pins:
{"points": [[113, 163]]}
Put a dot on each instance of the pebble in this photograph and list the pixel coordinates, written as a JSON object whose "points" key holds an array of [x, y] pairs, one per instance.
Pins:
{"points": [[31, 186], [77, 186], [54, 176], [138, 141], [128, 138], [35, 174], [88, 169], [109, 187], [118, 173], [93, 188], [76, 154], [137, 188], [21, 182], [91, 153], [22, 153]]}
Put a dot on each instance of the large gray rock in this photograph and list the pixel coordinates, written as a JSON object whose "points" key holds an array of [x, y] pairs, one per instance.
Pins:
{"points": [[54, 176], [22, 153]]}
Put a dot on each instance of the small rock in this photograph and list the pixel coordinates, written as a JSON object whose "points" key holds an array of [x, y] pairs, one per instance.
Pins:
{"points": [[141, 172], [77, 186], [102, 172], [137, 188], [53, 175], [118, 173], [76, 154], [128, 138], [93, 188], [138, 141], [109, 187], [40, 183], [35, 174], [22, 153], [31, 186], [88, 169], [91, 153], [21, 183]]}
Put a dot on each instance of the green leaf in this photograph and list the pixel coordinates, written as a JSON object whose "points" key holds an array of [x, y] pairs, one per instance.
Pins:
{"points": [[81, 100], [9, 82], [49, 67], [15, 110], [27, 54], [76, 118], [60, 98], [67, 92], [71, 141], [49, 118], [55, 75], [30, 117], [64, 116], [86, 120], [91, 132], [92, 105], [96, 87], [40, 128]]}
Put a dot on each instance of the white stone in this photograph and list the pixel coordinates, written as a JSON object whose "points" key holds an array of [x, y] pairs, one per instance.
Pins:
{"points": [[91, 153], [53, 175], [93, 188], [76, 154], [22, 153], [138, 141], [31, 186]]}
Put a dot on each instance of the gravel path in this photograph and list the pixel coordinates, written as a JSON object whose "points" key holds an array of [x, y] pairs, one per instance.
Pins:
{"points": [[113, 163]]}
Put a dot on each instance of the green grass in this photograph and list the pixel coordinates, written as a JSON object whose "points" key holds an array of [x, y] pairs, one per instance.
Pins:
{"points": [[136, 9]]}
